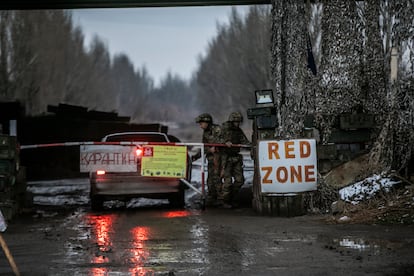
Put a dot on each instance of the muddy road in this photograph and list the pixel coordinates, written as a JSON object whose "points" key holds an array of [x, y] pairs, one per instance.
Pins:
{"points": [[62, 236]]}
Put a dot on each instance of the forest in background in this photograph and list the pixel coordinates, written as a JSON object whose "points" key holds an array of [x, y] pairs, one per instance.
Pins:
{"points": [[44, 61]]}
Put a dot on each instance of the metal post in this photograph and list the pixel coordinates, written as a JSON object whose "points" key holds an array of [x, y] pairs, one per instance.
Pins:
{"points": [[394, 65], [203, 190]]}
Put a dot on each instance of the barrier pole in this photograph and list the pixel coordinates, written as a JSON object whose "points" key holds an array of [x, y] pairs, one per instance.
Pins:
{"points": [[190, 185], [203, 190], [9, 256]]}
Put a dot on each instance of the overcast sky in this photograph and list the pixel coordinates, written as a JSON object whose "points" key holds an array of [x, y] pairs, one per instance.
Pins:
{"points": [[161, 39]]}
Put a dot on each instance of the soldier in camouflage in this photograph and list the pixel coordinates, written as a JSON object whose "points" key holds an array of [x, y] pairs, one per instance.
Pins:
{"points": [[233, 163], [212, 134]]}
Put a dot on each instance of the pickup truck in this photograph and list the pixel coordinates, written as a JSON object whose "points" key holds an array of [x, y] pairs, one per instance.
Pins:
{"points": [[120, 185]]}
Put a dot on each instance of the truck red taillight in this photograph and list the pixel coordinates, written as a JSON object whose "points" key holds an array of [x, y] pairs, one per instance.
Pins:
{"points": [[138, 151], [100, 172]]}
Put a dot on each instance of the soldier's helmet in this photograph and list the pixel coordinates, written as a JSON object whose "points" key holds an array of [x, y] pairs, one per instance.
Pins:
{"points": [[205, 117], [235, 117]]}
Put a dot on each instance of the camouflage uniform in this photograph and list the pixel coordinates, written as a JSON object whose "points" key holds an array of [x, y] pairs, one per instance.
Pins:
{"points": [[212, 134], [233, 164]]}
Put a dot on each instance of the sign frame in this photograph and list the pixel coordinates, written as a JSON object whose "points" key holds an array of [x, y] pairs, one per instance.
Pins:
{"points": [[287, 166], [110, 158], [164, 161]]}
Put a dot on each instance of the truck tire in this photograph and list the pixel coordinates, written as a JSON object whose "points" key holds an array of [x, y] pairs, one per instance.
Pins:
{"points": [[177, 200], [96, 203]]}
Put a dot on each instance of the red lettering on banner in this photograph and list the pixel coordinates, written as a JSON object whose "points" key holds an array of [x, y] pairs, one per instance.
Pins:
{"points": [[124, 159], [113, 158], [96, 157], [83, 160], [289, 148], [132, 159], [268, 171], [305, 149], [272, 148], [295, 173], [310, 173], [104, 159], [279, 172]]}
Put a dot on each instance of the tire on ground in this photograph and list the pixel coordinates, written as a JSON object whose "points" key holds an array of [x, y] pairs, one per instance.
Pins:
{"points": [[177, 200], [96, 203]]}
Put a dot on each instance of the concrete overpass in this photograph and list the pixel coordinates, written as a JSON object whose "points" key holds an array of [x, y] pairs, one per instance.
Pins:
{"points": [[83, 4]]}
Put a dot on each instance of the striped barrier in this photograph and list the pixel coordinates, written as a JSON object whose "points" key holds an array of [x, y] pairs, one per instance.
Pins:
{"points": [[64, 144]]}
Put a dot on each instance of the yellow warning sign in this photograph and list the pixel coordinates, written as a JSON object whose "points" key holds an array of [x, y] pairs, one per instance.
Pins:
{"points": [[164, 161]]}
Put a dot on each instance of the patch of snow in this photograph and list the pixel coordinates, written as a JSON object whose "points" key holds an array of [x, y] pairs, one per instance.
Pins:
{"points": [[344, 219], [366, 188]]}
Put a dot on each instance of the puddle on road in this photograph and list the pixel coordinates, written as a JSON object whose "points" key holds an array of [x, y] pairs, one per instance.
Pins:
{"points": [[177, 214], [105, 246], [373, 246]]}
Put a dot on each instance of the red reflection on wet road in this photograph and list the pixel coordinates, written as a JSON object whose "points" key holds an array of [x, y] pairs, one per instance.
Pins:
{"points": [[176, 214], [102, 227], [110, 243], [139, 254], [98, 271]]}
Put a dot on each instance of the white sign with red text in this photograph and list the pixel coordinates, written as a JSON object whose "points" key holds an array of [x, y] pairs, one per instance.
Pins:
{"points": [[287, 166], [111, 158]]}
